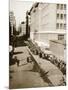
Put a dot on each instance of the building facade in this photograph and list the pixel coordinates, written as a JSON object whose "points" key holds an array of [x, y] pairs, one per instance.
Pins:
{"points": [[58, 48], [12, 21], [48, 22], [22, 28]]}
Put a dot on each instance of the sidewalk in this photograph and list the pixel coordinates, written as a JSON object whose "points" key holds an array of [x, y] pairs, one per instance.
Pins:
{"points": [[54, 74]]}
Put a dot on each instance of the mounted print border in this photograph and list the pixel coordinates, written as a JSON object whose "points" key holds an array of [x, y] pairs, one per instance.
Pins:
{"points": [[37, 41]]}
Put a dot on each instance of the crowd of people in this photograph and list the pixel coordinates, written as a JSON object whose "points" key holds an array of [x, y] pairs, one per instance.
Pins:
{"points": [[53, 59]]}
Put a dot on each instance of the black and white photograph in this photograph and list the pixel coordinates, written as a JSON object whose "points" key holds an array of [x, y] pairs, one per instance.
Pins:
{"points": [[37, 44]]}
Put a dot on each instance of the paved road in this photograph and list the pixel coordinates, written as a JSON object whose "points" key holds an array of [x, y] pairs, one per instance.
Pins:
{"points": [[24, 76]]}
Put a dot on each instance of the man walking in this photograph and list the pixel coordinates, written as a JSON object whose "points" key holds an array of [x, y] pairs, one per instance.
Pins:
{"points": [[16, 60]]}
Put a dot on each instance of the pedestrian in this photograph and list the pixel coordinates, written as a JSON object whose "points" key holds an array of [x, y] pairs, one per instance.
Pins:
{"points": [[16, 60], [40, 54], [28, 59], [59, 63]]}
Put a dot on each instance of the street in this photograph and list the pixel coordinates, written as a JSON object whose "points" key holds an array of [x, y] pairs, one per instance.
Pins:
{"points": [[24, 75]]}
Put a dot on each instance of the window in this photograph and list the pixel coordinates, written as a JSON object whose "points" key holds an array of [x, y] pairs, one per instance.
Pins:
{"points": [[64, 26], [64, 16], [58, 6], [61, 16], [64, 6], [57, 16], [61, 26], [61, 7], [60, 37], [57, 26]]}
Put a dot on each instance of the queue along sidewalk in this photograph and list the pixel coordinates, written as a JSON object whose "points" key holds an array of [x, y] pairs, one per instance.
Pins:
{"points": [[53, 73]]}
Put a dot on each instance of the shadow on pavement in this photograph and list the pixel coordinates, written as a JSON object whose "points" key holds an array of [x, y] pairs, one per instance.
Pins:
{"points": [[17, 53], [23, 64]]}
